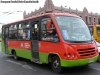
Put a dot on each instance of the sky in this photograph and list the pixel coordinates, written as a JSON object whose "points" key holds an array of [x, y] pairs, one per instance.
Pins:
{"points": [[9, 11]]}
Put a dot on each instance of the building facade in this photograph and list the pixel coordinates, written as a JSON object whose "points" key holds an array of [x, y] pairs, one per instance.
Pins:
{"points": [[89, 18]]}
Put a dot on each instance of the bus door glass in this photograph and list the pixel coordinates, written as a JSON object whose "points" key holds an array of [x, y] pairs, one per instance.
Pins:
{"points": [[34, 39], [6, 39]]}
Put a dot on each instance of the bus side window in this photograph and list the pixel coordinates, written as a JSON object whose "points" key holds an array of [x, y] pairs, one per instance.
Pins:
{"points": [[12, 31], [53, 34], [24, 35], [24, 31]]}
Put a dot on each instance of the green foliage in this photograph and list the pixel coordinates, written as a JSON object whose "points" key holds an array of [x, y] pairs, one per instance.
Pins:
{"points": [[0, 35]]}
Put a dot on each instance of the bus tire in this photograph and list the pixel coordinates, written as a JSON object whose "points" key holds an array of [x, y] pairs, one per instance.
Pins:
{"points": [[14, 55], [98, 58], [56, 65]]}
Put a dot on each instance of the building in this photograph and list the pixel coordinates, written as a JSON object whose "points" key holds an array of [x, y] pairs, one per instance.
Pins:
{"points": [[89, 18]]}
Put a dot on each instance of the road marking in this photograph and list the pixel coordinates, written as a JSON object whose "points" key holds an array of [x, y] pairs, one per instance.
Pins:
{"points": [[24, 66], [27, 67], [94, 68], [14, 62]]}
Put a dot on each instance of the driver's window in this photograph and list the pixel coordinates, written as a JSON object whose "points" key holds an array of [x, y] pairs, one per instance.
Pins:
{"points": [[48, 34]]}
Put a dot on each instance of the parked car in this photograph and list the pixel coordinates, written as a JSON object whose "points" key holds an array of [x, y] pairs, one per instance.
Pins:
{"points": [[98, 44]]}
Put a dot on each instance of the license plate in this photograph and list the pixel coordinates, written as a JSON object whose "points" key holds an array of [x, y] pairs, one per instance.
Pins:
{"points": [[91, 60]]}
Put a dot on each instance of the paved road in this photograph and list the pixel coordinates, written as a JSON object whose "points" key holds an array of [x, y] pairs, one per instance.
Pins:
{"points": [[9, 66]]}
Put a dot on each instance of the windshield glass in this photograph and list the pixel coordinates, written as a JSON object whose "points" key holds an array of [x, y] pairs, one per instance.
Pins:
{"points": [[73, 29]]}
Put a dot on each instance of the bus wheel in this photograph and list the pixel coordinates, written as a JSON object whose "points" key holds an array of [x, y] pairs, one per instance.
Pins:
{"points": [[56, 65], [15, 56], [98, 58]]}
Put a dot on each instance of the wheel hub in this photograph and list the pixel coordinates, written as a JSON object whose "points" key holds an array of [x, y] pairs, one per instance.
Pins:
{"points": [[56, 64]]}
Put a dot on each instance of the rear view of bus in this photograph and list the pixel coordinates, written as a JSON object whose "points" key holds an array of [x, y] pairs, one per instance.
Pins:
{"points": [[76, 46], [96, 33]]}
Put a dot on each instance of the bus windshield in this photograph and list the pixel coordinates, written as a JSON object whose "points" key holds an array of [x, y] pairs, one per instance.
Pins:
{"points": [[73, 29]]}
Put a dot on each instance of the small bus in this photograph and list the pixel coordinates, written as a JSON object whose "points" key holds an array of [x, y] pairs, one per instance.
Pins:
{"points": [[95, 30], [60, 39]]}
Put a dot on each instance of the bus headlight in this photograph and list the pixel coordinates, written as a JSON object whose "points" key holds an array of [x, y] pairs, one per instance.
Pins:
{"points": [[69, 55], [73, 55]]}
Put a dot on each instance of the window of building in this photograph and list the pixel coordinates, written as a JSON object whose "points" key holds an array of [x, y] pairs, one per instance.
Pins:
{"points": [[89, 19], [86, 20], [94, 19]]}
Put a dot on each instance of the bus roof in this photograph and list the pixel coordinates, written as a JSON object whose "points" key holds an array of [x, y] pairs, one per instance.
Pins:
{"points": [[54, 14], [93, 25], [97, 25], [90, 25]]}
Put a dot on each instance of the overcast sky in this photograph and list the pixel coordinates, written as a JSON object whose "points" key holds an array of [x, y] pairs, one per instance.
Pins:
{"points": [[91, 5]]}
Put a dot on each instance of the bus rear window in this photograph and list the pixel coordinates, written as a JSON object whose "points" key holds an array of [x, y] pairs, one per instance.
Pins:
{"points": [[98, 30]]}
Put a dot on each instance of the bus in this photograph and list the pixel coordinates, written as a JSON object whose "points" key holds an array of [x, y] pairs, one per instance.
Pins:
{"points": [[60, 39], [95, 30]]}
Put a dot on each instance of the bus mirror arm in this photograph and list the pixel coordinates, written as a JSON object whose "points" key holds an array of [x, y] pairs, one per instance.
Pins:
{"points": [[90, 31]]}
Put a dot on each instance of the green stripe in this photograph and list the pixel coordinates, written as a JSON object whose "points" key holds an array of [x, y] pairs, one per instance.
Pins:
{"points": [[43, 57], [22, 53], [67, 63], [3, 47], [80, 62]]}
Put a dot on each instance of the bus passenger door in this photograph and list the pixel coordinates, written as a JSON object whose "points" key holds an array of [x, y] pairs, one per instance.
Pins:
{"points": [[6, 39], [34, 39]]}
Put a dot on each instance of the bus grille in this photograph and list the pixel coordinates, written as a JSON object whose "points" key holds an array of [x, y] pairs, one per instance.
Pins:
{"points": [[86, 52]]}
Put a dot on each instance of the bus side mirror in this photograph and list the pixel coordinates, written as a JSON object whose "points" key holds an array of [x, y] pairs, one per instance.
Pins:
{"points": [[49, 24], [90, 31]]}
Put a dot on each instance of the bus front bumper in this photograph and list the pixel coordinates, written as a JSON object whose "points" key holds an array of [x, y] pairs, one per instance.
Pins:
{"points": [[79, 62]]}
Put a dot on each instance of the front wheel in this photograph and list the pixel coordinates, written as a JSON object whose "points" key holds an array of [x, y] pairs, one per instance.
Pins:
{"points": [[56, 65]]}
